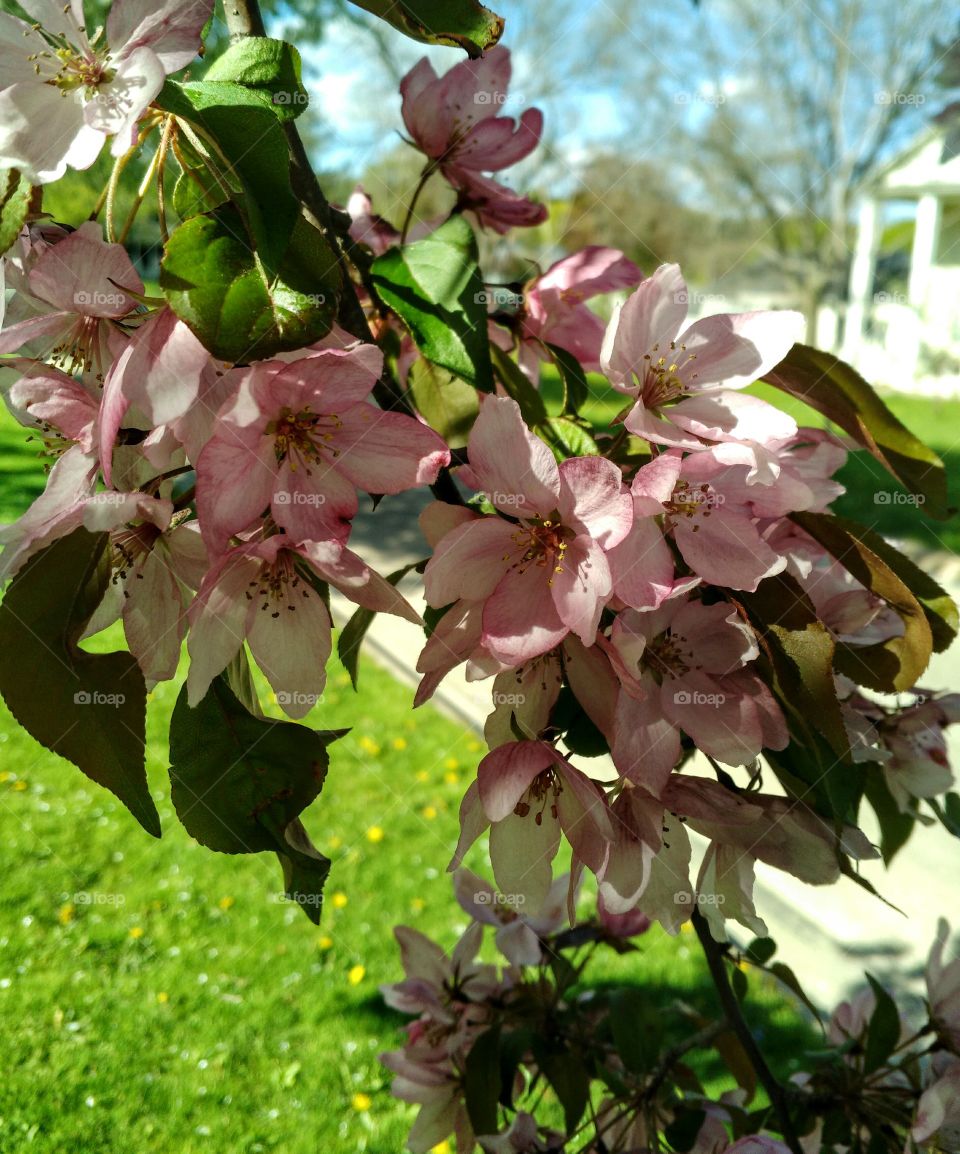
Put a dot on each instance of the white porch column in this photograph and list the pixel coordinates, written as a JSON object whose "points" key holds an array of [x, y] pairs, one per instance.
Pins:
{"points": [[861, 278], [925, 236]]}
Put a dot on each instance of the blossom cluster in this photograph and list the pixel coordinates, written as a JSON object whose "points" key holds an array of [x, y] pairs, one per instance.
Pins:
{"points": [[616, 597], [458, 1002]]}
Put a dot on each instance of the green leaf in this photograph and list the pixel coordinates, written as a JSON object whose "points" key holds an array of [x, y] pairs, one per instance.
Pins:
{"points": [[268, 67], [949, 813], [575, 387], [566, 1073], [216, 284], [352, 635], [833, 388], [883, 1033], [938, 606], [951, 809], [434, 286], [809, 770], [801, 650], [580, 734], [250, 149], [196, 191], [461, 23], [895, 665], [895, 827], [760, 951], [448, 404], [481, 1089], [519, 387], [567, 438], [637, 1028], [239, 784], [15, 195], [739, 983], [782, 971], [87, 707], [684, 1128], [735, 1057]]}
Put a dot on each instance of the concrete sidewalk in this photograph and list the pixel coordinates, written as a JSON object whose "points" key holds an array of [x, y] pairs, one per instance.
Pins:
{"points": [[828, 934]]}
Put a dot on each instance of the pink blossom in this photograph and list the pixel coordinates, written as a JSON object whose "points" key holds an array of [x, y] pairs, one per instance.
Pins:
{"points": [[937, 1120], [437, 982], [542, 573], [264, 592], [157, 560], [62, 92], [376, 232], [158, 373], [757, 1144], [648, 867], [55, 513], [79, 289], [299, 439], [522, 1136], [555, 312], [682, 668], [725, 890], [518, 930], [451, 992], [846, 607], [495, 206], [453, 120], [943, 988], [918, 765], [60, 409], [682, 380], [705, 510], [529, 795], [524, 697]]}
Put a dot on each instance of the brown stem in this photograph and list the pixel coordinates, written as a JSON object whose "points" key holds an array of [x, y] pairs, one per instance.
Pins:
{"points": [[408, 219], [716, 963], [245, 19]]}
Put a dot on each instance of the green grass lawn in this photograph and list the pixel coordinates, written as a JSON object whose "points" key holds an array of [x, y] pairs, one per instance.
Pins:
{"points": [[156, 996]]}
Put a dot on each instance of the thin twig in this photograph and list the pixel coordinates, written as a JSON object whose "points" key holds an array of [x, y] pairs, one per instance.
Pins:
{"points": [[734, 1013]]}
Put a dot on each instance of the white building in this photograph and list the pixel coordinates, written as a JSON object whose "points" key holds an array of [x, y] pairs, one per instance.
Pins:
{"points": [[910, 339]]}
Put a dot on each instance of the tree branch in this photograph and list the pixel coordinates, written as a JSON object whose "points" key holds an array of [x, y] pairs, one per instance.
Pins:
{"points": [[734, 1013]]}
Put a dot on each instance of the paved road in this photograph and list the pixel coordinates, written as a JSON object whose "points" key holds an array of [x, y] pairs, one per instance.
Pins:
{"points": [[829, 934]]}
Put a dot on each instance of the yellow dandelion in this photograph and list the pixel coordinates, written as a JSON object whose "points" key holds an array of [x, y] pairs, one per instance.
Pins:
{"points": [[399, 743], [226, 902], [5, 776], [20, 786], [441, 1148], [474, 746], [361, 1102], [422, 775], [429, 812], [375, 834], [451, 777], [339, 900], [686, 928], [163, 997], [136, 932], [356, 974], [335, 842], [65, 914], [324, 942], [451, 763], [368, 745], [417, 905]]}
